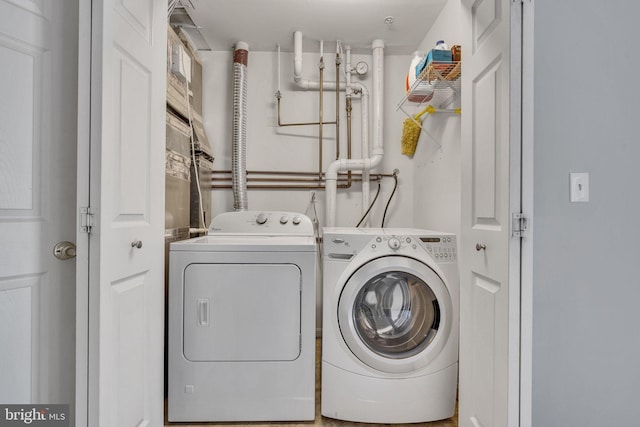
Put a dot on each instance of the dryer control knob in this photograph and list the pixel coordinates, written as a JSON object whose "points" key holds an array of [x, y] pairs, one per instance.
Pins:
{"points": [[296, 220], [394, 243], [284, 219], [261, 219]]}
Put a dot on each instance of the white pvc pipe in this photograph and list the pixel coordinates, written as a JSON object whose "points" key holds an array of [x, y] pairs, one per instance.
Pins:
{"points": [[347, 54], [297, 56], [297, 69], [378, 93], [364, 164], [366, 186], [364, 133]]}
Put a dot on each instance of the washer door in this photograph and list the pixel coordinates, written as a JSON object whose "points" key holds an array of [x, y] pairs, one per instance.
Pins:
{"points": [[395, 314]]}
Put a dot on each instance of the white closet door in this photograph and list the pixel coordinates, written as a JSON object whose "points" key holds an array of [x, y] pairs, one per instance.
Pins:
{"points": [[37, 199], [126, 276], [490, 186]]}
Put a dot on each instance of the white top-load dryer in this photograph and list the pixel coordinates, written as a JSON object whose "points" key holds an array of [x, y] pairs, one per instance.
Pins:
{"points": [[242, 320]]}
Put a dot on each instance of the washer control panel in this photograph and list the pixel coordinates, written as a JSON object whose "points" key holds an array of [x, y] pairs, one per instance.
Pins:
{"points": [[441, 248]]}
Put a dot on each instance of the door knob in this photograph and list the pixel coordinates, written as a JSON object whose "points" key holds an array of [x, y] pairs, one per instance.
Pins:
{"points": [[64, 250], [480, 247], [136, 244]]}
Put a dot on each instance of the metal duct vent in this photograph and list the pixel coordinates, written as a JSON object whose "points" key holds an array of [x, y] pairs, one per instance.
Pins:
{"points": [[179, 17], [239, 132]]}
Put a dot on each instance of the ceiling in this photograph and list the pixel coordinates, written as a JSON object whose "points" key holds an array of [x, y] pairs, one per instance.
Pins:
{"points": [[264, 24]]}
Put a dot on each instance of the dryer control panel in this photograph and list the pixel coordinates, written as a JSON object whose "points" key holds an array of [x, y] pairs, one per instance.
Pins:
{"points": [[262, 223]]}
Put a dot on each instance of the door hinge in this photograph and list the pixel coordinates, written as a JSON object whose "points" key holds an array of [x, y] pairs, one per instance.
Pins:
{"points": [[519, 224], [87, 220]]}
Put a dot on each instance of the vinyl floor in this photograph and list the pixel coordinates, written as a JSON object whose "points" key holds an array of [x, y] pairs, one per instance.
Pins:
{"points": [[320, 420]]}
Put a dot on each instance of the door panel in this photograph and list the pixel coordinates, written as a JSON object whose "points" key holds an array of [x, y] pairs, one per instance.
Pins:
{"points": [[131, 171], [126, 279], [18, 305], [486, 18], [129, 328], [483, 319], [487, 134], [486, 146], [38, 41]]}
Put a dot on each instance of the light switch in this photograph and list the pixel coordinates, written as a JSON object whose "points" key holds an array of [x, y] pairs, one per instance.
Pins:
{"points": [[579, 187]]}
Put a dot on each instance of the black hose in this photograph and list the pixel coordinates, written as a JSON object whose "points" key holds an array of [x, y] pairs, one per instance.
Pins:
{"points": [[372, 203], [395, 186]]}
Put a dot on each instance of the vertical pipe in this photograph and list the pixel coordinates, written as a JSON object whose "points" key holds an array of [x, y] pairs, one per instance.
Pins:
{"points": [[239, 132], [320, 114], [337, 100], [378, 94], [366, 152], [349, 106], [366, 143], [278, 68], [297, 56], [331, 175]]}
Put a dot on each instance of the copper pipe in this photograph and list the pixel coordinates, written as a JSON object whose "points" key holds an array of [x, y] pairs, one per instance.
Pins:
{"points": [[278, 96], [337, 105], [275, 187], [262, 179], [320, 117], [349, 107], [270, 172], [292, 173], [346, 179], [317, 186]]}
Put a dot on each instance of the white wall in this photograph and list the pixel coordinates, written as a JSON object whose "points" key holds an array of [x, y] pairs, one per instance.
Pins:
{"points": [[586, 286], [436, 163], [296, 148]]}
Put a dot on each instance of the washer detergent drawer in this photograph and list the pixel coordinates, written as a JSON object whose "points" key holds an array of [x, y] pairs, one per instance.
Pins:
{"points": [[241, 312]]}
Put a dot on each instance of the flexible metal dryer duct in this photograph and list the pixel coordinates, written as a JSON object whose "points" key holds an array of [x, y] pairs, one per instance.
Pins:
{"points": [[239, 135]]}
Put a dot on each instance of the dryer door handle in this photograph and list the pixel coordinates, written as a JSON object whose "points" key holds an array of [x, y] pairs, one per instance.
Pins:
{"points": [[203, 312]]}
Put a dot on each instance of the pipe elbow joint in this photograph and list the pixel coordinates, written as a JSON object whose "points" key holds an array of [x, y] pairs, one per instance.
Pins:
{"points": [[297, 70], [332, 171], [377, 44], [376, 159]]}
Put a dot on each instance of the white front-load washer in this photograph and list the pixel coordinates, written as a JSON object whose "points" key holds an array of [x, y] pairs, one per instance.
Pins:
{"points": [[390, 325], [242, 320]]}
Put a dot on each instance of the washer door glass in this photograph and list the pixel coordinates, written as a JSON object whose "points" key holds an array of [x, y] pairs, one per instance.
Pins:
{"points": [[396, 314]]}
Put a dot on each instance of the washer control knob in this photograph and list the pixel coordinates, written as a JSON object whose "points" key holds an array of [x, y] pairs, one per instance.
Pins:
{"points": [[394, 243], [261, 219], [296, 220], [284, 219]]}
